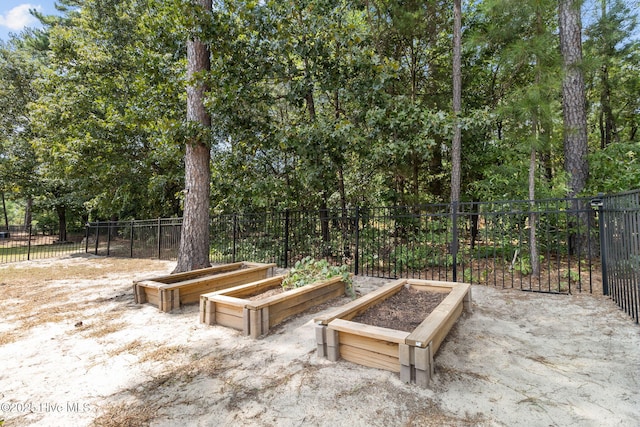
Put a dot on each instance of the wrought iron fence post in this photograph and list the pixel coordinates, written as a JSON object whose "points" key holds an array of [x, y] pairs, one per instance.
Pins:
{"points": [[109, 238], [159, 237], [235, 231], [356, 266], [97, 237], [454, 240], [597, 204], [286, 239], [131, 239], [86, 237], [29, 244]]}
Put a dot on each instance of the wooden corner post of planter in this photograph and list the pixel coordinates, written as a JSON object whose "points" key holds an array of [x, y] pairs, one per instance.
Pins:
{"points": [[257, 321], [416, 364]]}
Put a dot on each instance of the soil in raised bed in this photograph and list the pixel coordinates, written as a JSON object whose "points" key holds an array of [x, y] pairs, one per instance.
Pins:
{"points": [[403, 311], [273, 291]]}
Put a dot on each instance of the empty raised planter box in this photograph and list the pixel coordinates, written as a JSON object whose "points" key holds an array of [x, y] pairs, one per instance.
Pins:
{"points": [[169, 292], [235, 307], [408, 353]]}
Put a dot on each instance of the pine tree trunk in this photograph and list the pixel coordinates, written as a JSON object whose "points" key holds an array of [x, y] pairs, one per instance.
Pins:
{"points": [[573, 97], [456, 144], [575, 117], [457, 101], [193, 252], [533, 217]]}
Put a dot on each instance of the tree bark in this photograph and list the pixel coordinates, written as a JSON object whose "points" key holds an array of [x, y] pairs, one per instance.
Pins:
{"points": [[61, 210], [457, 101], [533, 218], [573, 97], [193, 252], [4, 209], [574, 113], [28, 213], [456, 144]]}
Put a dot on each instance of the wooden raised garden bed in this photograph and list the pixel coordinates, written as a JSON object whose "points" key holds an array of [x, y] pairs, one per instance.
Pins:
{"points": [[408, 353], [169, 292], [254, 317]]}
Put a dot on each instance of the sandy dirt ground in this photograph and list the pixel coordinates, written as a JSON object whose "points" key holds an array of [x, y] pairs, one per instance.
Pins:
{"points": [[76, 350]]}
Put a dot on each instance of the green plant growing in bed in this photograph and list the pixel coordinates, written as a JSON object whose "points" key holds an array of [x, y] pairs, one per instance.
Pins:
{"points": [[308, 270]]}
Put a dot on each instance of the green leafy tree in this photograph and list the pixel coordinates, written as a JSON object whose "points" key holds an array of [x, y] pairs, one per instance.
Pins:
{"points": [[21, 59], [109, 109], [611, 51]]}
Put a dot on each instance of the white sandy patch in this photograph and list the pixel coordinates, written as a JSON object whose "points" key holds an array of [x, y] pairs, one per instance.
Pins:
{"points": [[518, 359]]}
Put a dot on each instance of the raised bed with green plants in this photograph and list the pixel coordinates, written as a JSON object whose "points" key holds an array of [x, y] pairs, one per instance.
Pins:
{"points": [[257, 307]]}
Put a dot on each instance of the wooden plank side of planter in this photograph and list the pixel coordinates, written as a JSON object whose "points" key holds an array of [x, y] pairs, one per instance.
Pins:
{"points": [[291, 294], [152, 296], [369, 331], [292, 303], [148, 284], [209, 307], [431, 282], [385, 347], [190, 292], [248, 289], [444, 329], [358, 306], [365, 356], [187, 275], [431, 286], [445, 314], [229, 315], [234, 297]]}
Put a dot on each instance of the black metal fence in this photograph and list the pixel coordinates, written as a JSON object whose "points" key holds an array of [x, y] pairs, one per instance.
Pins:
{"points": [[487, 243], [619, 219], [27, 242], [154, 238], [541, 246]]}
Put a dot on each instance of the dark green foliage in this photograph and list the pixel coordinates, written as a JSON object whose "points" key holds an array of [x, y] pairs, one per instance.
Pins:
{"points": [[315, 104]]}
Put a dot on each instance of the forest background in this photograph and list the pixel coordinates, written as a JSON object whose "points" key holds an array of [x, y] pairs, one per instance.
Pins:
{"points": [[314, 104]]}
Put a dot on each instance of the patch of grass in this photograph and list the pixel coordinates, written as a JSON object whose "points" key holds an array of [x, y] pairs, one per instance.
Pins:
{"points": [[74, 268], [163, 354], [124, 414], [105, 329], [131, 347], [9, 337]]}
